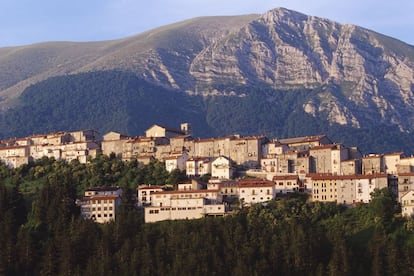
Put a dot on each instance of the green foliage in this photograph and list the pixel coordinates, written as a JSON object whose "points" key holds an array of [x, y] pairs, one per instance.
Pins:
{"points": [[289, 236]]}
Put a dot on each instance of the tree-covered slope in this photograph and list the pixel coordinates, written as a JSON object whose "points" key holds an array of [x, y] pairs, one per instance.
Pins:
{"points": [[99, 100], [42, 232], [120, 101]]}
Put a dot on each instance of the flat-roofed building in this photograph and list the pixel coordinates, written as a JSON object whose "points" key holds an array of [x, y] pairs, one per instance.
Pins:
{"points": [[144, 194], [100, 204], [189, 204], [407, 204]]}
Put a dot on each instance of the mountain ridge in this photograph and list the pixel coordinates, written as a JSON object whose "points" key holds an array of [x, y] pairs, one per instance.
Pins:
{"points": [[345, 77]]}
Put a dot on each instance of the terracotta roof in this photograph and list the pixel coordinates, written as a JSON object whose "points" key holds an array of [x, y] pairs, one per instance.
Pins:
{"points": [[204, 159], [13, 147], [317, 176], [285, 177], [186, 192], [100, 197], [150, 187], [406, 174], [254, 182], [329, 146], [304, 139]]}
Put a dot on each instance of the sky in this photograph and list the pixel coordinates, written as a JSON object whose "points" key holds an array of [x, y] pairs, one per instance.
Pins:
{"points": [[25, 22]]}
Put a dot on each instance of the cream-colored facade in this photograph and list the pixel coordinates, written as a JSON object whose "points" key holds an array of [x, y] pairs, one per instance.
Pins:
{"points": [[324, 188], [198, 166], [405, 184], [189, 204], [391, 161], [100, 203], [285, 184], [407, 204], [351, 167], [328, 158], [252, 191], [176, 162], [372, 164], [60, 145], [144, 194], [306, 142], [162, 131], [346, 189], [222, 168], [114, 142]]}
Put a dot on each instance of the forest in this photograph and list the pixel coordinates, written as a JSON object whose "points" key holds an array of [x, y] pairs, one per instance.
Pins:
{"points": [[42, 233]]}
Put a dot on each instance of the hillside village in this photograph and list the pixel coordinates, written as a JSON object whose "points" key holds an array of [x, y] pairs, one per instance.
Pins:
{"points": [[327, 171]]}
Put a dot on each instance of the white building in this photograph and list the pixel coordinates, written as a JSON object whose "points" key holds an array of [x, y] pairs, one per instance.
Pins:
{"points": [[253, 191], [198, 166], [144, 193], [365, 185], [407, 204], [189, 204], [285, 184], [100, 203], [176, 162], [222, 168]]}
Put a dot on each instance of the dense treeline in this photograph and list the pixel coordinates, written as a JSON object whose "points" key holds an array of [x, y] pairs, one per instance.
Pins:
{"points": [[120, 101], [41, 231]]}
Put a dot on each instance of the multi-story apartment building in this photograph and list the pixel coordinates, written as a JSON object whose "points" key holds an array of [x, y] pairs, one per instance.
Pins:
{"points": [[222, 168], [405, 184], [100, 203], [305, 143], [407, 204], [346, 189], [176, 161], [145, 193], [372, 164], [115, 142], [391, 161], [188, 204], [253, 191], [286, 184], [59, 145], [198, 166], [328, 158], [163, 131]]}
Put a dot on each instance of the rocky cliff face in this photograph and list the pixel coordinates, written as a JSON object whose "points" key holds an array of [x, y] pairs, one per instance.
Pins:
{"points": [[361, 77]]}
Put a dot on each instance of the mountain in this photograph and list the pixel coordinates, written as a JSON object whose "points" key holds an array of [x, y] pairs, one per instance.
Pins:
{"points": [[281, 74]]}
